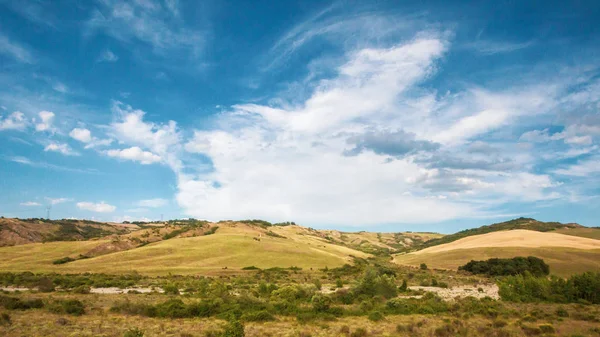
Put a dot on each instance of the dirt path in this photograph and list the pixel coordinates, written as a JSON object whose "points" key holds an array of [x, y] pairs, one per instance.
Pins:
{"points": [[449, 294]]}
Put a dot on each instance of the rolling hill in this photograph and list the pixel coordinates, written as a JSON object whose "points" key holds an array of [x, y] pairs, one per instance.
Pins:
{"points": [[566, 254], [24, 231]]}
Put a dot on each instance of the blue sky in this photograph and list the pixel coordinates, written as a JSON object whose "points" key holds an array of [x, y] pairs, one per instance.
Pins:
{"points": [[387, 115]]}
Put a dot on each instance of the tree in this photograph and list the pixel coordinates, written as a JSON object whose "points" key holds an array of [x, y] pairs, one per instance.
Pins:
{"points": [[423, 266]]}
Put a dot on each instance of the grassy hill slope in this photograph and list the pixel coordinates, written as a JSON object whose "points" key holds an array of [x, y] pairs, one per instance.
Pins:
{"points": [[232, 246], [564, 253], [520, 223]]}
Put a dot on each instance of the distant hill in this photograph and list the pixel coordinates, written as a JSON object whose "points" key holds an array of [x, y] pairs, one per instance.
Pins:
{"points": [[24, 231], [566, 254], [520, 223]]}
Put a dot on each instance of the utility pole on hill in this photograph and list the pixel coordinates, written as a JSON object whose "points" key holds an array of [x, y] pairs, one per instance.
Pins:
{"points": [[48, 212]]}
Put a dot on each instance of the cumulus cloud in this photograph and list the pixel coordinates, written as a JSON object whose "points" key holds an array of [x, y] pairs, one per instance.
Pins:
{"points": [[46, 117], [135, 154], [100, 207], [82, 135], [61, 148], [152, 203], [14, 121]]}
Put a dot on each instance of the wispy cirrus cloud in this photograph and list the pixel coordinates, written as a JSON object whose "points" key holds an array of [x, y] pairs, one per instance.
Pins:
{"points": [[41, 164], [15, 50], [149, 22]]}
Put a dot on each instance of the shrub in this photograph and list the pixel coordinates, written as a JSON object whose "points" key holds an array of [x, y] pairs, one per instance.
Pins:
{"points": [[404, 287], [45, 285], [317, 283], [71, 307], [339, 283], [321, 303], [547, 328], [234, 329], [359, 332], [13, 303], [376, 316], [5, 319], [503, 267], [258, 316], [527, 288], [345, 330], [133, 332], [250, 268], [423, 266], [562, 312], [82, 290], [171, 289], [63, 260]]}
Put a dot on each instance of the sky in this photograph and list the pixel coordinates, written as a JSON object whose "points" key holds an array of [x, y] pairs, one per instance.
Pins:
{"points": [[355, 115]]}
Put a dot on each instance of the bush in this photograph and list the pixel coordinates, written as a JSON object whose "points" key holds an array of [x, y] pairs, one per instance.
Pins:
{"points": [[562, 312], [527, 288], [503, 267], [547, 328], [234, 329], [82, 290], [13, 303], [359, 332], [45, 285], [376, 316], [423, 266], [321, 303], [63, 260], [5, 319], [71, 307], [404, 287], [133, 332], [258, 316], [171, 289]]}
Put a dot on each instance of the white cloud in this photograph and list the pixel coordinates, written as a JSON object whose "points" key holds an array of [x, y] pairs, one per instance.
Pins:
{"points": [[14, 50], [536, 136], [85, 136], [47, 117], [101, 207], [107, 56], [30, 203], [581, 169], [163, 140], [152, 203], [14, 121], [135, 154], [62, 148], [287, 160], [55, 201], [579, 140], [82, 135]]}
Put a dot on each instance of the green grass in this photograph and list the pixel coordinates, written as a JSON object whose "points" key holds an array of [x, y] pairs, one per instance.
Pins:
{"points": [[562, 261]]}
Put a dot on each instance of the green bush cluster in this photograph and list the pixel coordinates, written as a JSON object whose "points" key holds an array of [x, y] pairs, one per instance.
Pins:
{"points": [[15, 303], [70, 307], [528, 288], [503, 267], [47, 282]]}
